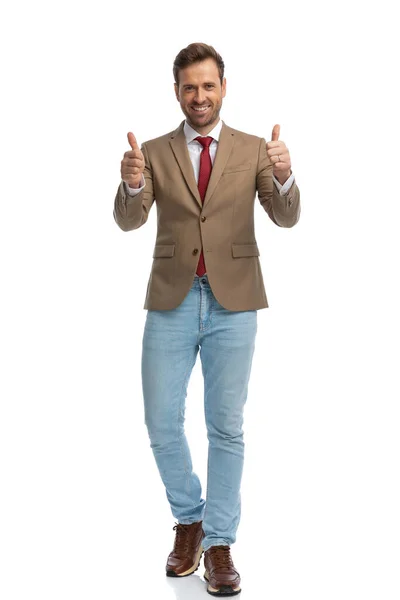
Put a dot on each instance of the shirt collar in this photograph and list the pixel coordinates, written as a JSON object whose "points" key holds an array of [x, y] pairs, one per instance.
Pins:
{"points": [[191, 133]]}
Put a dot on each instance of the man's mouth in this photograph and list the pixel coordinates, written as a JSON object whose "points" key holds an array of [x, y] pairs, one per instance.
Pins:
{"points": [[200, 109]]}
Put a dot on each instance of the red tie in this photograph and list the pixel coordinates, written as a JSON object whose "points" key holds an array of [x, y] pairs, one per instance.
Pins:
{"points": [[204, 176]]}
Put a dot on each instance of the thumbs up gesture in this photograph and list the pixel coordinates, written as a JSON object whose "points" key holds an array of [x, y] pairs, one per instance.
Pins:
{"points": [[132, 165], [279, 156]]}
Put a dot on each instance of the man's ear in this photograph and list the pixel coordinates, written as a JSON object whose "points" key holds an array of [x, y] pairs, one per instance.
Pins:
{"points": [[223, 87], [176, 88]]}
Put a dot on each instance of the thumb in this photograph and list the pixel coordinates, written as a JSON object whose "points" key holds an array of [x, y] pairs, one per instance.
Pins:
{"points": [[132, 141], [275, 133]]}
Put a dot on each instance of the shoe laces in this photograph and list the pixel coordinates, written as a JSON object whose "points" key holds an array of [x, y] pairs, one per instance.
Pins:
{"points": [[181, 538], [221, 556]]}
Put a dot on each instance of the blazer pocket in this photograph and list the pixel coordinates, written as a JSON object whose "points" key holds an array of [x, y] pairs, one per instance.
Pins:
{"points": [[239, 250], [236, 168], [164, 250]]}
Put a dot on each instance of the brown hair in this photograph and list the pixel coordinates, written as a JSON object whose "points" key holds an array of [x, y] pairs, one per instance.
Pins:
{"points": [[196, 53]]}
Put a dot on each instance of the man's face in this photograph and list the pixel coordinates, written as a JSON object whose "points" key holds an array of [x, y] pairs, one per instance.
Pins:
{"points": [[200, 94]]}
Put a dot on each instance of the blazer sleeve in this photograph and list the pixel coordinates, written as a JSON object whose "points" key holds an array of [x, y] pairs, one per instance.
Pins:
{"points": [[131, 212], [283, 210]]}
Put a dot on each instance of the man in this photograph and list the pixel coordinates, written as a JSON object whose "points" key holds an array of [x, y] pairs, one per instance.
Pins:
{"points": [[203, 293]]}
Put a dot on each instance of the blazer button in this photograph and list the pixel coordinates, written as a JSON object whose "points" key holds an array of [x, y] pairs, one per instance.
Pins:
{"points": [[195, 251], [203, 219]]}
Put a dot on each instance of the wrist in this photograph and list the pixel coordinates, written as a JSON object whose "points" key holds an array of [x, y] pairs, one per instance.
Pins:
{"points": [[134, 186], [283, 178]]}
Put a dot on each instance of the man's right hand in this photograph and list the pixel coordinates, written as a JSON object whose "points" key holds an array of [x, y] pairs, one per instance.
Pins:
{"points": [[132, 165]]}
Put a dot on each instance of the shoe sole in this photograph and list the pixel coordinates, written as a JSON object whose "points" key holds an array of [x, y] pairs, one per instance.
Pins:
{"points": [[224, 590], [192, 569]]}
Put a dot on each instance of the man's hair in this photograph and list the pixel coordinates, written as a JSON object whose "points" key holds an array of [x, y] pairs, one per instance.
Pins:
{"points": [[196, 53]]}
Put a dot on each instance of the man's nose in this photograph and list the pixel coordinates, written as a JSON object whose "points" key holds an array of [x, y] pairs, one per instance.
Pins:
{"points": [[200, 96]]}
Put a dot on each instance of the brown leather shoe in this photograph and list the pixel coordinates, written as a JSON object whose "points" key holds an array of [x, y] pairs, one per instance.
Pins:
{"points": [[185, 557], [222, 577]]}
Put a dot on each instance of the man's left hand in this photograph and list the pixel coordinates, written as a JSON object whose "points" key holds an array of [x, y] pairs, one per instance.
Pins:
{"points": [[279, 156]]}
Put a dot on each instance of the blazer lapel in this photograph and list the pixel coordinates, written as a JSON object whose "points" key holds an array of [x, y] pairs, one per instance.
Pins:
{"points": [[179, 148], [225, 145]]}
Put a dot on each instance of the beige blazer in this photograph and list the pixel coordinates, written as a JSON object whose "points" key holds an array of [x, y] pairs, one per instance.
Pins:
{"points": [[223, 226]]}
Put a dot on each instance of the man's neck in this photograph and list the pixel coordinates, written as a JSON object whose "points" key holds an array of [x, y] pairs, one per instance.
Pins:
{"points": [[204, 130]]}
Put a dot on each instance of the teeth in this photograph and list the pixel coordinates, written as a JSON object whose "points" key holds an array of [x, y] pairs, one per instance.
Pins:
{"points": [[203, 108]]}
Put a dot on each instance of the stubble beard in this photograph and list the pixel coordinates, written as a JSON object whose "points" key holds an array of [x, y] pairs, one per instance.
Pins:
{"points": [[214, 117]]}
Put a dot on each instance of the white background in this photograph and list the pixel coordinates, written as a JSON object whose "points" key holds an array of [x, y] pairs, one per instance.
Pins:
{"points": [[83, 510]]}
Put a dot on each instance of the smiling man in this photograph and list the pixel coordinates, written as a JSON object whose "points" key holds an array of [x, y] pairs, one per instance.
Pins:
{"points": [[200, 92], [203, 293]]}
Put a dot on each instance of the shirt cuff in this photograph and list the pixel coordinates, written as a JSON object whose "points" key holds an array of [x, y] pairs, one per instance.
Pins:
{"points": [[283, 189]]}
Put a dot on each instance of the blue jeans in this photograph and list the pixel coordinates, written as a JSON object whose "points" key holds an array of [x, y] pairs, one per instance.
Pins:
{"points": [[171, 341]]}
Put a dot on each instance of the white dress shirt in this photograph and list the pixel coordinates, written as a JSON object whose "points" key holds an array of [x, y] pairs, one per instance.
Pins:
{"points": [[195, 149]]}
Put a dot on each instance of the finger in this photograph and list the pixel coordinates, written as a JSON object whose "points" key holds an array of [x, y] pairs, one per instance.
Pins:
{"points": [[132, 171], [280, 158], [132, 141], [133, 154], [277, 151], [278, 144], [275, 133], [128, 168], [133, 162]]}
